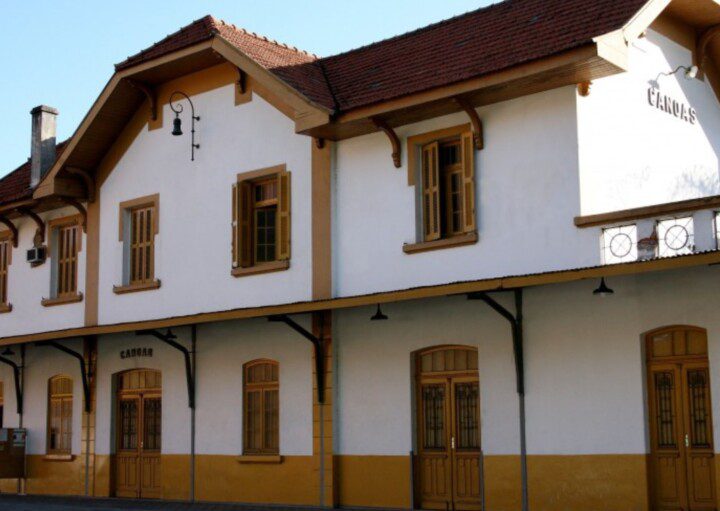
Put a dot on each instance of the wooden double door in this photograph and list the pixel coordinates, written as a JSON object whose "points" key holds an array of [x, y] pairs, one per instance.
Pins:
{"points": [[139, 435], [448, 469], [682, 460]]}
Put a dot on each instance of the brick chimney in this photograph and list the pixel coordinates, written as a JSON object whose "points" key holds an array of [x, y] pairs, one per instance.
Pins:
{"points": [[42, 148]]}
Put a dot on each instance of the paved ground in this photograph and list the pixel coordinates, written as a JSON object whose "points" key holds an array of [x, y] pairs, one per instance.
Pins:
{"points": [[15, 503]]}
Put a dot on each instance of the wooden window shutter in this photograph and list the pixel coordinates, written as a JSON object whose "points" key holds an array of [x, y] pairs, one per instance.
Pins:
{"points": [[283, 216], [244, 229], [468, 165], [235, 225], [431, 191]]}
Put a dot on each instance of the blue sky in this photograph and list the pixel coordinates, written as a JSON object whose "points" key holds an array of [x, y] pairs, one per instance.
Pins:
{"points": [[61, 52]]}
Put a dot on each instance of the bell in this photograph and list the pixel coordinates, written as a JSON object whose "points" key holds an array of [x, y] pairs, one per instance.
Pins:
{"points": [[177, 123]]}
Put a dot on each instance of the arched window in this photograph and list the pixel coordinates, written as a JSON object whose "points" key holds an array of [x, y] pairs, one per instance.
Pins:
{"points": [[261, 407], [60, 405]]}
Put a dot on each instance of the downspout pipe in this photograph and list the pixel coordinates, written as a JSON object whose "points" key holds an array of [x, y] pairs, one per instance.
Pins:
{"points": [[516, 327]]}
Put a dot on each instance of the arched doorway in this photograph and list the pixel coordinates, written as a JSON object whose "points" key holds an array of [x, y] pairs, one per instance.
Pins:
{"points": [[448, 428], [682, 464], [138, 434]]}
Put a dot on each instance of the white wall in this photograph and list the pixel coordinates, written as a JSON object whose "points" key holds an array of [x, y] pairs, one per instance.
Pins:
{"points": [[175, 411], [631, 153], [585, 379], [193, 258], [527, 195], [223, 348], [27, 286]]}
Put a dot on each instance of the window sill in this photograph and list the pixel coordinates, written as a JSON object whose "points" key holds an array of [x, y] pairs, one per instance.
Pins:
{"points": [[134, 288], [261, 268], [58, 457], [5, 307], [260, 458], [455, 241], [61, 300]]}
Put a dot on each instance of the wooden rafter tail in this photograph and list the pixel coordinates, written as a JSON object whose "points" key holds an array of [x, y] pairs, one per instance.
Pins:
{"points": [[81, 210], [477, 127], [242, 80], [87, 179], [584, 88], [149, 94], [394, 140], [40, 232], [11, 227], [319, 142]]}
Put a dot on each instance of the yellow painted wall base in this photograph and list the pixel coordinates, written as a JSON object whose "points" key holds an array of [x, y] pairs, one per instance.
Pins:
{"points": [[557, 483], [587, 482], [224, 479]]}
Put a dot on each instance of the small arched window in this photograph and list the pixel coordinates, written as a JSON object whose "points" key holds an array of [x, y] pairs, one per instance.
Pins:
{"points": [[261, 408], [60, 406]]}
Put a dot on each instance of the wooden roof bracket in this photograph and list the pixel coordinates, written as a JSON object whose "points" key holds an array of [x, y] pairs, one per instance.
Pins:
{"points": [[11, 226], [319, 142], [87, 179], [39, 238], [394, 140], [149, 94], [242, 80], [81, 210], [703, 43], [477, 127]]}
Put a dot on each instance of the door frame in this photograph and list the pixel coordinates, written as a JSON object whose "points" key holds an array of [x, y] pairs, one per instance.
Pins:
{"points": [[139, 395], [679, 365], [447, 378]]}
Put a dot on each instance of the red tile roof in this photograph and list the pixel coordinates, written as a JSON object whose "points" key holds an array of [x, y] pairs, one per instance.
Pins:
{"points": [[16, 185], [474, 44], [480, 42], [468, 46]]}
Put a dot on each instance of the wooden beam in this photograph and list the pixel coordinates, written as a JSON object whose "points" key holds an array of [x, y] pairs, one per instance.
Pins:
{"points": [[87, 179], [705, 38], [627, 215], [80, 209], [39, 238], [242, 80], [149, 94], [394, 140], [11, 226], [477, 127]]}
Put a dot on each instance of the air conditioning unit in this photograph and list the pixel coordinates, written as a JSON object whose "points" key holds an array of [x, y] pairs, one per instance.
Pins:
{"points": [[37, 255]]}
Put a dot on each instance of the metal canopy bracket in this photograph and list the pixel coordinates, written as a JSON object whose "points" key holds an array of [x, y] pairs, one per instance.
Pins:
{"points": [[477, 127], [18, 387], [11, 226], [318, 345], [169, 339], [84, 369], [394, 140], [516, 325]]}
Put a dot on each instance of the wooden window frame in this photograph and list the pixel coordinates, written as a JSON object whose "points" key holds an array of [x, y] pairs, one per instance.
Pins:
{"points": [[262, 454], [62, 398], [126, 210], [430, 236], [55, 227], [243, 230], [6, 245]]}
